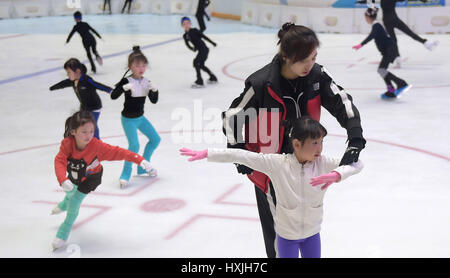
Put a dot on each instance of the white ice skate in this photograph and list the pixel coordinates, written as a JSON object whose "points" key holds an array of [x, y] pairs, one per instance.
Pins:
{"points": [[56, 210], [152, 172], [398, 62], [58, 243], [431, 45], [99, 60], [124, 183]]}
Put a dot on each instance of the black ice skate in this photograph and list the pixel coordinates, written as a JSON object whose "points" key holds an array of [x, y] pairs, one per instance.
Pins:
{"points": [[212, 80], [198, 84]]}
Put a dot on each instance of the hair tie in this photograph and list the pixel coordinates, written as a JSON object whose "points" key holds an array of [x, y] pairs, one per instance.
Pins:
{"points": [[287, 26]]}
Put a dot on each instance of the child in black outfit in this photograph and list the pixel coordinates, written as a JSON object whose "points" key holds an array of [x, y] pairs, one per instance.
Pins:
{"points": [[386, 46], [89, 42], [202, 4], [194, 36]]}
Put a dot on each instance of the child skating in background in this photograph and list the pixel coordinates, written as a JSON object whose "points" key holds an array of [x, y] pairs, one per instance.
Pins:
{"points": [[296, 178], [78, 168], [89, 42], [85, 89], [200, 13], [386, 46], [136, 88], [194, 36], [392, 21]]}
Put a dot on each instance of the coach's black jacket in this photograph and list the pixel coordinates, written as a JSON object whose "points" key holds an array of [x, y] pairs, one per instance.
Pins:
{"points": [[263, 129]]}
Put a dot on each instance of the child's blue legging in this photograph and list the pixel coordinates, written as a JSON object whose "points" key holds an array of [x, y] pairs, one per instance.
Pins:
{"points": [[97, 130], [131, 126], [309, 247], [71, 204]]}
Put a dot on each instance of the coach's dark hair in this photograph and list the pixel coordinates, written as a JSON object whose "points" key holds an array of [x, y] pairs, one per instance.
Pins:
{"points": [[296, 42], [76, 120], [74, 64], [303, 128]]}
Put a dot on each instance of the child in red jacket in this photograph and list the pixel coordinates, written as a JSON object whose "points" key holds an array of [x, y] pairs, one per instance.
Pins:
{"points": [[79, 156]]}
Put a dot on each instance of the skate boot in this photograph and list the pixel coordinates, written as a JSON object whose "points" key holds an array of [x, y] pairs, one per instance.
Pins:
{"points": [[389, 94], [123, 183], [56, 210], [99, 60], [151, 173], [212, 80], [57, 243], [398, 62], [402, 88], [198, 84], [430, 45]]}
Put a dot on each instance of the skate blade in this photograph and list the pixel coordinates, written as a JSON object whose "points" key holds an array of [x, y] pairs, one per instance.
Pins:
{"points": [[195, 86], [400, 92]]}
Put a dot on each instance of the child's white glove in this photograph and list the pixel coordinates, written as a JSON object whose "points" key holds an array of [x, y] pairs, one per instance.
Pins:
{"points": [[128, 87], [152, 87], [67, 185], [146, 165]]}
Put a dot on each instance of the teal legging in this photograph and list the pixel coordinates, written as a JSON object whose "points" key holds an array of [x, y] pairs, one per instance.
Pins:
{"points": [[71, 204], [131, 126]]}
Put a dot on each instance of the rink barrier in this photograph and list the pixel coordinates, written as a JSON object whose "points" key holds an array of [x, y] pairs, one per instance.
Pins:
{"points": [[226, 16], [180, 6], [30, 8], [5, 8], [316, 14], [341, 20], [160, 7]]}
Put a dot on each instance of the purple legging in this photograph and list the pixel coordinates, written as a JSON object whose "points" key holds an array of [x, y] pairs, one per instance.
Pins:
{"points": [[309, 247]]}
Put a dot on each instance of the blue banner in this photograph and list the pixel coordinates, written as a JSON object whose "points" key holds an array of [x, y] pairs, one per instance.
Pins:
{"points": [[418, 3]]}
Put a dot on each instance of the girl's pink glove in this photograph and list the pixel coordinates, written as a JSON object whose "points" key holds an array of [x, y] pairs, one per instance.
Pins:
{"points": [[356, 47], [326, 179], [196, 155]]}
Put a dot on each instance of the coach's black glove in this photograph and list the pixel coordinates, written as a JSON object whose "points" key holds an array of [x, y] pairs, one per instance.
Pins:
{"points": [[242, 169], [352, 152]]}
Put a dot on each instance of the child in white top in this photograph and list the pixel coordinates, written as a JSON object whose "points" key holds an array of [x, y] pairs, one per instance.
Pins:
{"points": [[295, 177]]}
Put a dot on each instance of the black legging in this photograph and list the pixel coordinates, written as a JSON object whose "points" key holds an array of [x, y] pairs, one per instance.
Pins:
{"points": [[266, 219], [395, 22], [87, 46], [202, 4], [109, 5], [125, 4], [388, 77], [199, 64], [391, 21]]}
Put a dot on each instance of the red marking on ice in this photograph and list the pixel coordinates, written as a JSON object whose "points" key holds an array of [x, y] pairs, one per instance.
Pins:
{"points": [[221, 200], [163, 205], [199, 216]]}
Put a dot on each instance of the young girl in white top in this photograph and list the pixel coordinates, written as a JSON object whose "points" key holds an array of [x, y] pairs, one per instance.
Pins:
{"points": [[295, 178]]}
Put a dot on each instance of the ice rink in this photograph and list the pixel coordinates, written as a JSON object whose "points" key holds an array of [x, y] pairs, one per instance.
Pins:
{"points": [[398, 206]]}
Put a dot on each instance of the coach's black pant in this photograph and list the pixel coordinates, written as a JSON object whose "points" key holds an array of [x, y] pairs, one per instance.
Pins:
{"points": [[266, 209]]}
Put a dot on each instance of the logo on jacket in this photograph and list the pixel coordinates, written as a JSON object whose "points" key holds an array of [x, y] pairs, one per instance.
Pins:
{"points": [[316, 86]]}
